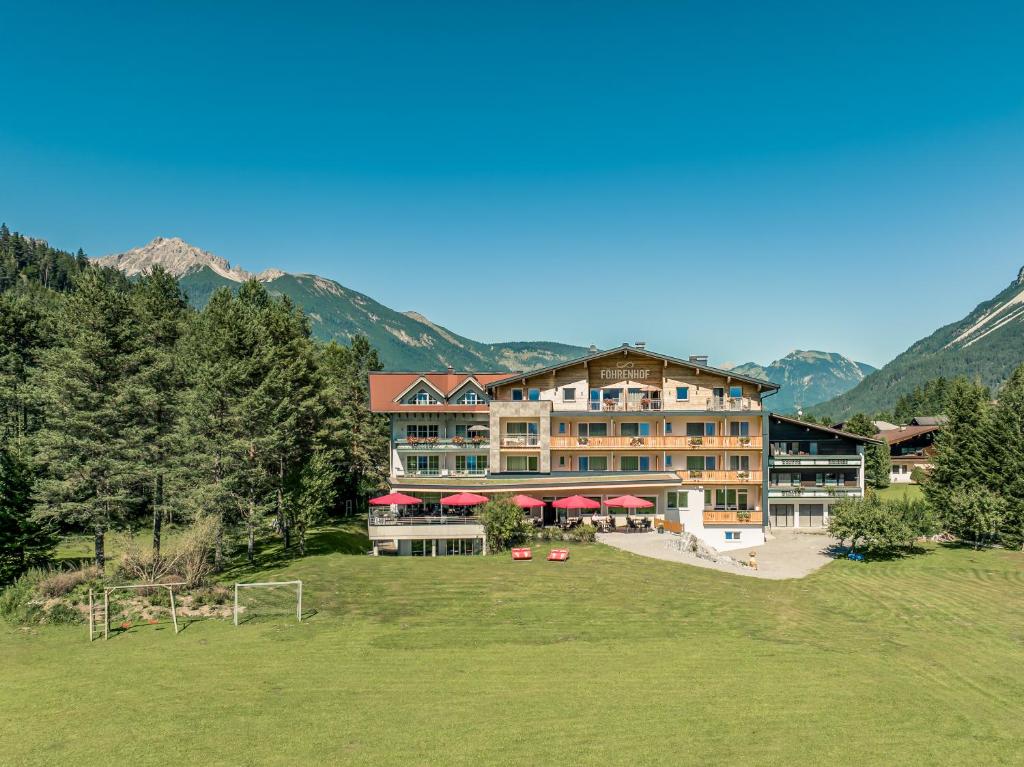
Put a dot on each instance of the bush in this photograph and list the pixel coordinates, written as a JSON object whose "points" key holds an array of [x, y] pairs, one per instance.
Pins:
{"points": [[62, 614], [60, 582], [881, 524], [504, 523], [975, 514], [583, 534], [17, 602]]}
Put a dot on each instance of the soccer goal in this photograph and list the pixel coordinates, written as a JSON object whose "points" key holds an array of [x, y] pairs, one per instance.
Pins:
{"points": [[269, 599]]}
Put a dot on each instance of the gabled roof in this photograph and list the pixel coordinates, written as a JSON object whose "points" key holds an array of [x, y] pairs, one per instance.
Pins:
{"points": [[387, 388], [904, 433], [767, 386], [928, 420], [825, 429]]}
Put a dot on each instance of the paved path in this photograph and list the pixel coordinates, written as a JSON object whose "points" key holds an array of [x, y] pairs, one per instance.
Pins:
{"points": [[790, 554]]}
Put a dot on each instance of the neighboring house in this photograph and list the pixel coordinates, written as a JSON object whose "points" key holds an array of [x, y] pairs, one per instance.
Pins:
{"points": [[810, 468], [685, 436], [911, 446]]}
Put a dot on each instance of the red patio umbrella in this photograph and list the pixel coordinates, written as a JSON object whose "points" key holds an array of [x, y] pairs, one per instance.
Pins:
{"points": [[463, 499], [400, 498], [628, 502], [576, 502], [526, 501]]}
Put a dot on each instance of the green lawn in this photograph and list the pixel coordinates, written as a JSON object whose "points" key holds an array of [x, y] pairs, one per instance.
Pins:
{"points": [[608, 659], [892, 492]]}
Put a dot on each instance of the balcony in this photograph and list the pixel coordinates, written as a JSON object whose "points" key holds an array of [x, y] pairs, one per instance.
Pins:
{"points": [[391, 527], [851, 489], [732, 404], [439, 443], [719, 476], [643, 405], [661, 442], [520, 440], [732, 518], [815, 460]]}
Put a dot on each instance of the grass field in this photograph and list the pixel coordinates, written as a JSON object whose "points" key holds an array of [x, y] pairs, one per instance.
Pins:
{"points": [[608, 659], [892, 492]]}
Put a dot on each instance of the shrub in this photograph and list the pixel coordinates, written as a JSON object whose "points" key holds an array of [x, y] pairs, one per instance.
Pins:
{"points": [[975, 514], [504, 523], [64, 614], [18, 601], [60, 582], [583, 534]]}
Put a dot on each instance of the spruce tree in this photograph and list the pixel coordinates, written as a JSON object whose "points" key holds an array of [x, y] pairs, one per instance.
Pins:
{"points": [[877, 462], [87, 453], [157, 386], [961, 455], [24, 540], [1005, 450]]}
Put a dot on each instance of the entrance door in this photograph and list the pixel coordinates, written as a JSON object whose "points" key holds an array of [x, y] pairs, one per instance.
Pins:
{"points": [[782, 514], [550, 514]]}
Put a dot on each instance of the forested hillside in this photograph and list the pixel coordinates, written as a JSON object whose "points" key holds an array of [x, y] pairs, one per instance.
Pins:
{"points": [[985, 346]]}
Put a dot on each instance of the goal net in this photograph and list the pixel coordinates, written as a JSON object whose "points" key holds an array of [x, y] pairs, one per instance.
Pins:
{"points": [[269, 601]]}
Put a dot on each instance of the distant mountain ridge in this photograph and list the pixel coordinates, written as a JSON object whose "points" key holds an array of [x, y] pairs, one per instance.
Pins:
{"points": [[807, 377], [405, 341], [985, 345]]}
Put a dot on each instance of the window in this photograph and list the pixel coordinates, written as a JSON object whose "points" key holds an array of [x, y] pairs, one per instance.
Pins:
{"points": [[421, 430], [533, 395], [568, 394], [735, 392], [635, 430], [561, 460], [668, 462], [594, 463], [423, 464], [676, 499], [629, 463], [739, 463], [682, 393], [732, 535], [517, 395], [471, 464], [423, 397], [521, 463], [470, 398], [593, 429], [422, 548], [739, 429], [694, 430], [561, 427], [668, 427], [462, 546]]}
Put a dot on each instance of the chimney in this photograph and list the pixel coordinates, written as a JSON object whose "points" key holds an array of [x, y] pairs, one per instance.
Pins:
{"points": [[593, 349], [699, 359], [640, 344], [450, 370]]}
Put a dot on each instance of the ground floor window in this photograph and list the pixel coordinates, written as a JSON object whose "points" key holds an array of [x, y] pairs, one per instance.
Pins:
{"points": [[594, 463], [732, 535], [812, 515], [422, 548], [462, 547], [634, 463], [676, 499]]}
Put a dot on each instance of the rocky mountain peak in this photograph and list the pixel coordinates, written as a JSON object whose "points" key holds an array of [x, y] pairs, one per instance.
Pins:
{"points": [[1020, 277], [180, 258]]}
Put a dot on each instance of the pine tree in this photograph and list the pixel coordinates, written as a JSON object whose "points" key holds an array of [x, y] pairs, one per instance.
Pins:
{"points": [[85, 449], [24, 540], [311, 494], [1004, 446], [160, 309], [961, 454]]}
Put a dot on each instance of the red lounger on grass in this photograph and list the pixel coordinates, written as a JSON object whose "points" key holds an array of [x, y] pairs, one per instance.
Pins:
{"points": [[522, 553], [558, 555]]}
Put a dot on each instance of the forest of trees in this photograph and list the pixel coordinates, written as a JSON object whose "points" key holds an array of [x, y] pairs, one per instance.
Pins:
{"points": [[122, 408]]}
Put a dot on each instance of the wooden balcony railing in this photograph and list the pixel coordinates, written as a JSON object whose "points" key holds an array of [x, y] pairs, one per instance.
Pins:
{"points": [[732, 517], [719, 476], [661, 442]]}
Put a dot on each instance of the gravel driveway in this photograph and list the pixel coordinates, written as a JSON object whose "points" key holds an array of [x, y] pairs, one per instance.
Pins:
{"points": [[789, 554]]}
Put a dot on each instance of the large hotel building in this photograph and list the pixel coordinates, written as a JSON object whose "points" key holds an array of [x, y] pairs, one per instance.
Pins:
{"points": [[689, 438]]}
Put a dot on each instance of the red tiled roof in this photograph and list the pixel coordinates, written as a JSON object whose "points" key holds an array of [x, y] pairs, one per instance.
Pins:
{"points": [[385, 388]]}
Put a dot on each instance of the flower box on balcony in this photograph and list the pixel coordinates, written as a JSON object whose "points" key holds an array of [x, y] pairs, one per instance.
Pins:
{"points": [[696, 441], [744, 441], [458, 440]]}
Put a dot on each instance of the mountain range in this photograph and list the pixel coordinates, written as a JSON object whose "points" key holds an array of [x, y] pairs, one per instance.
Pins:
{"points": [[807, 377], [986, 345], [404, 340], [410, 341]]}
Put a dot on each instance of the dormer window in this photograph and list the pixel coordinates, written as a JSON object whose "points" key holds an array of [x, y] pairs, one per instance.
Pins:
{"points": [[471, 398], [423, 397]]}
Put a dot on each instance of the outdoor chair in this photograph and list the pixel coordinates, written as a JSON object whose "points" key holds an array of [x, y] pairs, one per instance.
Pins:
{"points": [[558, 555], [522, 553]]}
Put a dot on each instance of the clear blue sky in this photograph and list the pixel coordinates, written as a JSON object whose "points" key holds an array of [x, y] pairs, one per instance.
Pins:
{"points": [[739, 179]]}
